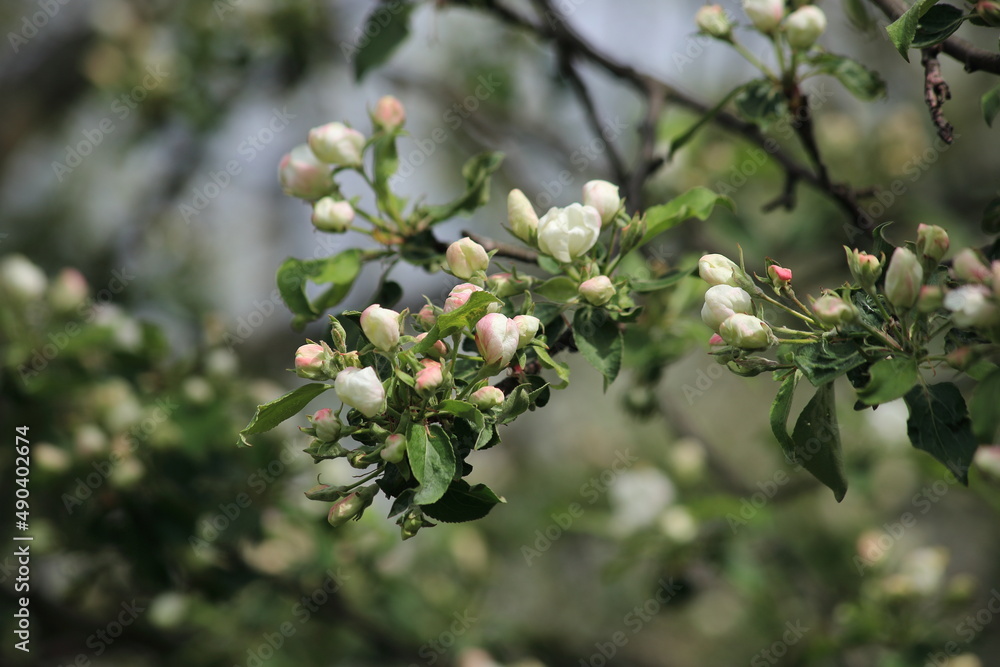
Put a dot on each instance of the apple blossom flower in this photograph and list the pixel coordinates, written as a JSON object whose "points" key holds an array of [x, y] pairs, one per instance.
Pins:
{"points": [[381, 326], [389, 113], [497, 338], [335, 143], [717, 269], [331, 215], [527, 328], [932, 241], [304, 176], [746, 332], [765, 15], [522, 217], [361, 389], [327, 425], [722, 302], [568, 233], [903, 278], [310, 362], [487, 398], [430, 377], [603, 197], [971, 306], [804, 26], [351, 506], [597, 290], [466, 257]]}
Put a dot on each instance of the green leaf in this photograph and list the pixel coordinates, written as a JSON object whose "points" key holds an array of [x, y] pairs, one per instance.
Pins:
{"points": [[937, 25], [939, 425], [823, 362], [890, 379], [559, 289], [679, 142], [388, 295], [860, 81], [985, 411], [698, 202], [462, 502], [780, 409], [457, 320], [273, 413], [477, 172], [562, 370], [904, 29], [386, 164], [386, 28], [515, 405], [990, 104], [882, 245], [294, 274], [760, 101], [291, 281], [816, 440], [671, 277], [600, 341], [432, 461], [463, 410]]}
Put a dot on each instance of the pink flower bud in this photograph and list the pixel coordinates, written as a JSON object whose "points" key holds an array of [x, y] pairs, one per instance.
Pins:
{"points": [[968, 267], [722, 302], [522, 217], [603, 196], [426, 317], [779, 275], [335, 143], [804, 26], [327, 425], [527, 328], [330, 215], [713, 20], [717, 270], [497, 338], [831, 309], [389, 113], [932, 241], [303, 176], [487, 398], [430, 377], [931, 298], [381, 326], [716, 339], [459, 295], [394, 449], [865, 268], [972, 306], [765, 15], [746, 332], [361, 389], [504, 285], [903, 278], [466, 258], [351, 506], [69, 290], [597, 291], [437, 350], [310, 361]]}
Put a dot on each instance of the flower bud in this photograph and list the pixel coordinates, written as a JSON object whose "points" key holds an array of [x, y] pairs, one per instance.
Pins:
{"points": [[931, 298], [804, 26], [504, 285], [68, 291], [437, 350], [995, 270], [903, 278], [360, 388], [713, 20], [335, 143], [430, 377], [717, 270], [831, 309], [394, 449], [746, 332], [487, 398], [303, 176], [522, 217], [597, 291], [497, 338], [325, 492], [716, 339], [932, 241], [865, 268], [989, 12], [426, 317], [971, 306], [330, 215], [604, 198], [968, 267], [310, 362], [327, 425], [722, 302], [527, 328], [780, 277], [765, 14], [352, 506], [459, 295], [389, 113], [20, 278], [568, 233], [466, 258], [381, 326]]}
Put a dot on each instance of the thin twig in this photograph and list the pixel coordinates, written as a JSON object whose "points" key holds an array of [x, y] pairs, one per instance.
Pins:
{"points": [[936, 92], [503, 249]]}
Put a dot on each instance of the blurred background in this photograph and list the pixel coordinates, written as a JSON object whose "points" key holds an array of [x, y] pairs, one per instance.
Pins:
{"points": [[141, 224]]}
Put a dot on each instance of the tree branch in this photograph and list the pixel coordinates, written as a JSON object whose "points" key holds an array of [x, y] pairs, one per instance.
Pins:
{"points": [[936, 92], [507, 250]]}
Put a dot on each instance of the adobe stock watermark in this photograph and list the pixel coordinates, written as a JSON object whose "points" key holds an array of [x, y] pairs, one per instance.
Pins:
{"points": [[581, 158], [432, 651], [453, 118], [591, 491], [121, 108], [374, 25], [32, 24], [103, 638], [967, 630], [219, 179], [779, 649], [634, 621], [301, 611], [87, 311]]}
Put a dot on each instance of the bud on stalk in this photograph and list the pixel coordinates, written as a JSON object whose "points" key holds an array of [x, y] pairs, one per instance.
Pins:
{"points": [[335, 143], [389, 113], [381, 326], [603, 197], [746, 332], [487, 398], [522, 217], [466, 258], [932, 241], [804, 26], [394, 449], [330, 215], [903, 279], [597, 291], [497, 338], [352, 506], [712, 20]]}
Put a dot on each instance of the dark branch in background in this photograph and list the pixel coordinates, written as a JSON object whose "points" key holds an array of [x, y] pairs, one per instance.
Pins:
{"points": [[656, 92], [974, 59], [936, 92], [507, 250]]}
